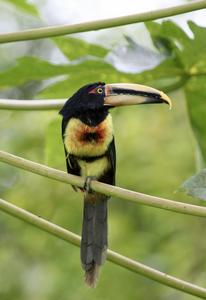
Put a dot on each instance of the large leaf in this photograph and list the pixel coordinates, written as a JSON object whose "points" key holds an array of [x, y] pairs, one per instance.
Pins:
{"points": [[167, 75], [189, 52], [94, 70], [33, 68], [29, 68], [190, 57], [167, 35], [87, 71], [195, 90]]}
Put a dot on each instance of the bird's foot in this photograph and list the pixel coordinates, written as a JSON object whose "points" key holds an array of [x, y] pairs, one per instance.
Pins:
{"points": [[87, 184]]}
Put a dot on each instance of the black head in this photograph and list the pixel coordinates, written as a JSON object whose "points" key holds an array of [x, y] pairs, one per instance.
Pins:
{"points": [[91, 102], [88, 99]]}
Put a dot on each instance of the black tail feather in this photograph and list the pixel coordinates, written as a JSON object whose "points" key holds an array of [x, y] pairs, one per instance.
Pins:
{"points": [[94, 236]]}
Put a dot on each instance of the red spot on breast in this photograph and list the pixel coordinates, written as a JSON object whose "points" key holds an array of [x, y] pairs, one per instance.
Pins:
{"points": [[95, 135]]}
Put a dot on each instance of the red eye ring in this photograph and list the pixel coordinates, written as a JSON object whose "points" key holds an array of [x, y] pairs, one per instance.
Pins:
{"points": [[97, 90]]}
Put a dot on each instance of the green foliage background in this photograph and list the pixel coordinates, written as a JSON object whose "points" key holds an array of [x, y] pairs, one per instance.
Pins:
{"points": [[156, 152]]}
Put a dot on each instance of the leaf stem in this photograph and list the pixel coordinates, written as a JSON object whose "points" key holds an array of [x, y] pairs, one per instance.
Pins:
{"points": [[103, 188], [112, 256], [52, 31]]}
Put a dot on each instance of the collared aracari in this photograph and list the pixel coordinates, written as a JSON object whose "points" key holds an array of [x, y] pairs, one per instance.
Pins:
{"points": [[88, 139]]}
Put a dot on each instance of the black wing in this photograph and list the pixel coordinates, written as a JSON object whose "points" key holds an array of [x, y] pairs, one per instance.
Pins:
{"points": [[71, 161], [109, 175]]}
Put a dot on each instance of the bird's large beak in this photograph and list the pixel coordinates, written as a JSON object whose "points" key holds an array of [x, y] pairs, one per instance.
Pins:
{"points": [[120, 94]]}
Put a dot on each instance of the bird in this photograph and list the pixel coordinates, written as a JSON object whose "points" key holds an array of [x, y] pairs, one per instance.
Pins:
{"points": [[88, 139]]}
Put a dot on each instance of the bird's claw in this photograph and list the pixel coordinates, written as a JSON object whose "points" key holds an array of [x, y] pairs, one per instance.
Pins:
{"points": [[87, 184]]}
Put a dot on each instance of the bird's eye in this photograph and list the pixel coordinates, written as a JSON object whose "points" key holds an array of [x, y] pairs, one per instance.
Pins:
{"points": [[99, 91]]}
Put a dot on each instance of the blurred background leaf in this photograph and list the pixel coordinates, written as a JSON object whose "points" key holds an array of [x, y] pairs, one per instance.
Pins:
{"points": [[54, 150], [196, 185], [74, 48], [190, 56], [195, 91], [25, 6], [27, 69]]}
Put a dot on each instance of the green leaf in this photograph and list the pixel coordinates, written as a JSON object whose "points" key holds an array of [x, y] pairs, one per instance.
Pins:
{"points": [[196, 185], [167, 30], [165, 75], [190, 57], [89, 71], [29, 68], [195, 91], [82, 73], [25, 6], [161, 42], [197, 56], [185, 50], [170, 36], [74, 48]]}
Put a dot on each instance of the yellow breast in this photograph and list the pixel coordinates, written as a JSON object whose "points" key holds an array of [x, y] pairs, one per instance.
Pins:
{"points": [[83, 140], [95, 168]]}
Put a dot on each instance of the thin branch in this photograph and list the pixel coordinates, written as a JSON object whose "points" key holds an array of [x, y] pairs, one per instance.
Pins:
{"points": [[31, 104], [100, 24], [103, 188], [112, 256]]}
